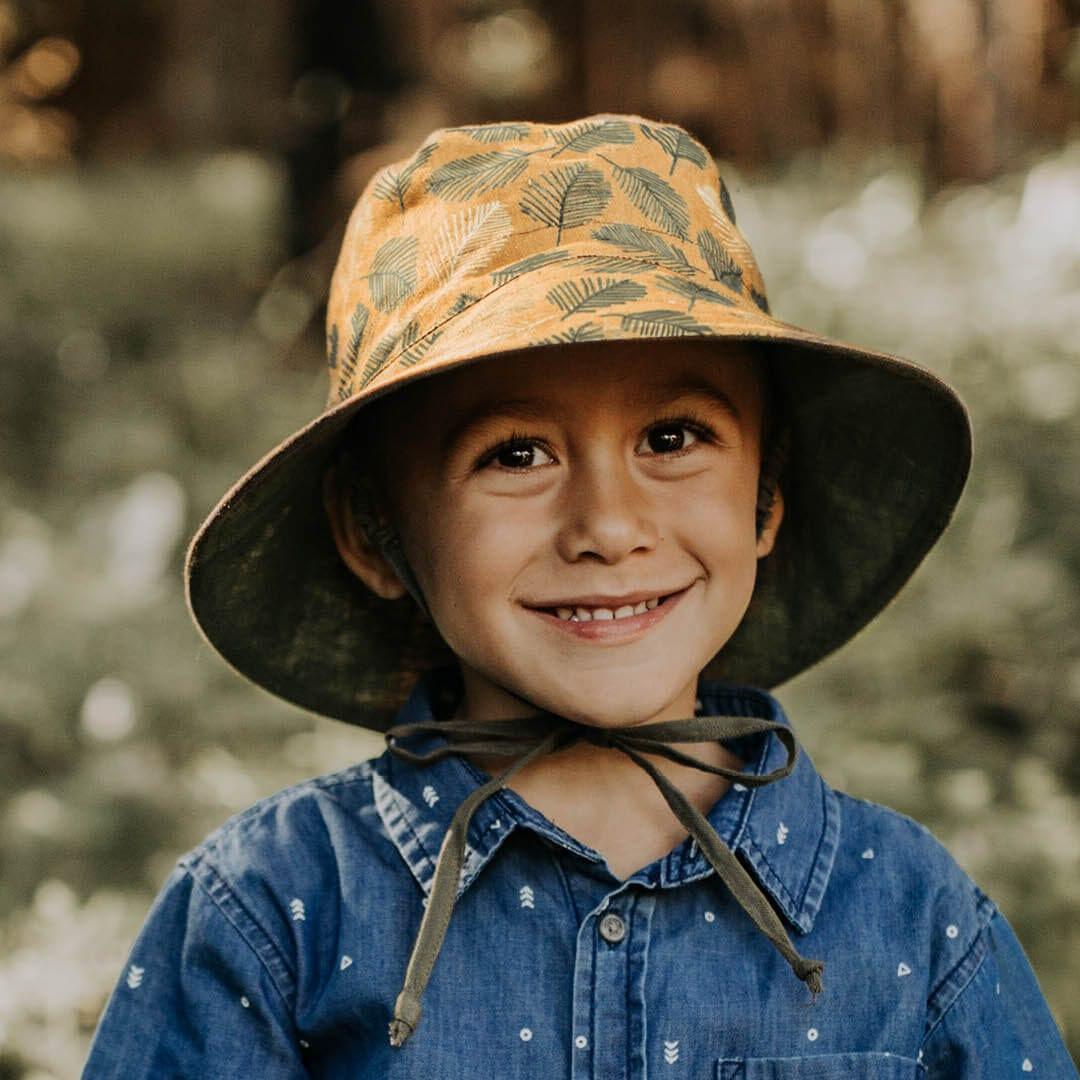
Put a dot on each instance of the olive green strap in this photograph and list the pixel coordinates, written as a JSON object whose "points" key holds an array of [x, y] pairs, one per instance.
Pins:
{"points": [[533, 737]]}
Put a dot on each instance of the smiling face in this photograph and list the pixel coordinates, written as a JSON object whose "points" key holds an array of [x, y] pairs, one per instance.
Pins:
{"points": [[584, 477]]}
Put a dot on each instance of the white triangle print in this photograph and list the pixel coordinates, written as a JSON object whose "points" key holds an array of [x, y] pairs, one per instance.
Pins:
{"points": [[903, 970], [346, 961]]}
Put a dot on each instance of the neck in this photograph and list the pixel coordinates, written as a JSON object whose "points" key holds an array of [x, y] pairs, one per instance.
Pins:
{"points": [[605, 800]]}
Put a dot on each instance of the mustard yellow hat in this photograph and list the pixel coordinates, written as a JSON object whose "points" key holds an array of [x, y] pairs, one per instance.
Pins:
{"points": [[502, 237]]}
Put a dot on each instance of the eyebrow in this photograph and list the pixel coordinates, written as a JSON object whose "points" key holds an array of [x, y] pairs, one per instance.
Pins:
{"points": [[539, 408]]}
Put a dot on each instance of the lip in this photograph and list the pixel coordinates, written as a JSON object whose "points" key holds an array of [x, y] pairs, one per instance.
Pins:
{"points": [[620, 630]]}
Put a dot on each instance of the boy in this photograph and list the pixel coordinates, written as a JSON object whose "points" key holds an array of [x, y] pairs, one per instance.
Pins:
{"points": [[558, 561]]}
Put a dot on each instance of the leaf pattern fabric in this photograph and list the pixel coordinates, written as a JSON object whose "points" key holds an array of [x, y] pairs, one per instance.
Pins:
{"points": [[691, 290], [467, 240], [393, 184], [493, 133], [357, 326], [492, 237], [566, 197], [478, 174], [678, 144], [588, 136], [393, 272], [654, 197], [635, 239], [589, 294]]}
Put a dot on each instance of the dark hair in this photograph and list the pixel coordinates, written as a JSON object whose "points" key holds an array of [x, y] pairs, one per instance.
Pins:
{"points": [[775, 436]]}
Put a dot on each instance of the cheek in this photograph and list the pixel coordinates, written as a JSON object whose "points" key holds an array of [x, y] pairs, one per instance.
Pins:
{"points": [[477, 550]]}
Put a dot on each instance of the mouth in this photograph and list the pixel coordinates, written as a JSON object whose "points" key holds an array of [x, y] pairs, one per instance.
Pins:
{"points": [[583, 611], [610, 622]]}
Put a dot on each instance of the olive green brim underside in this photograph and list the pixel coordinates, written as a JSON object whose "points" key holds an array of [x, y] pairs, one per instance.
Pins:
{"points": [[880, 451]]}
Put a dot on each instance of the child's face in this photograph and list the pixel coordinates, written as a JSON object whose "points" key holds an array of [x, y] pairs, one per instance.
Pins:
{"points": [[604, 493]]}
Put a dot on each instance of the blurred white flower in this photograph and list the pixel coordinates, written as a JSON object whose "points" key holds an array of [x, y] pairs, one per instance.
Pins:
{"points": [[108, 711]]}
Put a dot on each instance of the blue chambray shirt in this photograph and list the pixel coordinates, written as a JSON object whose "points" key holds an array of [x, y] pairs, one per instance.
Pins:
{"points": [[278, 945]]}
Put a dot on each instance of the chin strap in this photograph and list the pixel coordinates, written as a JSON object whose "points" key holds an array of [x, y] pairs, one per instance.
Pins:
{"points": [[529, 738]]}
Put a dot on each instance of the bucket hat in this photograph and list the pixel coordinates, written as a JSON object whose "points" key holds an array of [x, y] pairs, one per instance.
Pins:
{"points": [[503, 237]]}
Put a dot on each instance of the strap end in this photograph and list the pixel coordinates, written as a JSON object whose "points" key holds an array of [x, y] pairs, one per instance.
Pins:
{"points": [[406, 1017]]}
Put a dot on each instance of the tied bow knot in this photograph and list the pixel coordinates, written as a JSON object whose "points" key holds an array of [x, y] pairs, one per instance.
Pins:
{"points": [[531, 737]]}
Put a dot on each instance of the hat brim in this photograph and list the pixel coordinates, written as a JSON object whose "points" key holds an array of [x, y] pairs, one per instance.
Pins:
{"points": [[880, 451]]}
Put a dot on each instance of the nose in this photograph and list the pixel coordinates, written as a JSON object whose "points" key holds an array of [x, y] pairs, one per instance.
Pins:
{"points": [[606, 512]]}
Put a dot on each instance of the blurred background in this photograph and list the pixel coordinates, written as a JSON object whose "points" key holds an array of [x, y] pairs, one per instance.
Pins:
{"points": [[174, 178]]}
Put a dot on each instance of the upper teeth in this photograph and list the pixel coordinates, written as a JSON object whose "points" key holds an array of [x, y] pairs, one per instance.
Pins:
{"points": [[583, 614]]}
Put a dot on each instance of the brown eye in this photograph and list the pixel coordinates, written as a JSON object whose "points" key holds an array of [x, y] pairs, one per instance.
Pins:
{"points": [[518, 456], [670, 437]]}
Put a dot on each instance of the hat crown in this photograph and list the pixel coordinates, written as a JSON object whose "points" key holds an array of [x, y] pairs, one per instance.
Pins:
{"points": [[477, 206]]}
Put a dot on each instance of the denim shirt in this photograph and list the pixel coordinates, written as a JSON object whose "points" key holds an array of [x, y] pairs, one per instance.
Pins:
{"points": [[277, 946]]}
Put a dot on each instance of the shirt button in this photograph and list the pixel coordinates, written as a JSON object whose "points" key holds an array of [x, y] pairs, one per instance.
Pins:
{"points": [[612, 928]]}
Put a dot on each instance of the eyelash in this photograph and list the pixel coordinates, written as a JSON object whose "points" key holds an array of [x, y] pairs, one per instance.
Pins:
{"points": [[520, 440]]}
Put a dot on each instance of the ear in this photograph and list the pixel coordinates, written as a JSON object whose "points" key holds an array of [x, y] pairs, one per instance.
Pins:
{"points": [[356, 550], [767, 539]]}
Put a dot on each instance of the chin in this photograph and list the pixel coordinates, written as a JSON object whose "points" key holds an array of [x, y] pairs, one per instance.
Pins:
{"points": [[606, 702]]}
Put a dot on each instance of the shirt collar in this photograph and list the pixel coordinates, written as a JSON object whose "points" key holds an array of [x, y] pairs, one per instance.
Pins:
{"points": [[786, 832]]}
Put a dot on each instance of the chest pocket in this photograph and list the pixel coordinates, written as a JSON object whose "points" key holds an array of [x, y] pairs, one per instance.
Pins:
{"points": [[821, 1067]]}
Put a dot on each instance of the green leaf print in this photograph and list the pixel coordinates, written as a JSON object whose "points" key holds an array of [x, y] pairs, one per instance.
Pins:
{"points": [[477, 174], [588, 331], [393, 272], [654, 197], [692, 291], [633, 238], [357, 326], [332, 347], [493, 133], [530, 262], [415, 353], [463, 301], [588, 136], [677, 144], [725, 201], [662, 323], [615, 264], [393, 184], [723, 267], [566, 197], [385, 349], [588, 294]]}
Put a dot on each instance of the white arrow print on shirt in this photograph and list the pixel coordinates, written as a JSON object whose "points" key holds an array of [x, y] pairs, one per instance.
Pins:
{"points": [[431, 796], [134, 976], [671, 1051], [296, 906], [781, 833], [525, 893]]}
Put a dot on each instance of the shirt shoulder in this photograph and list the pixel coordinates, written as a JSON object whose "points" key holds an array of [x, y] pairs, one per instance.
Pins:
{"points": [[292, 857], [893, 872]]}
